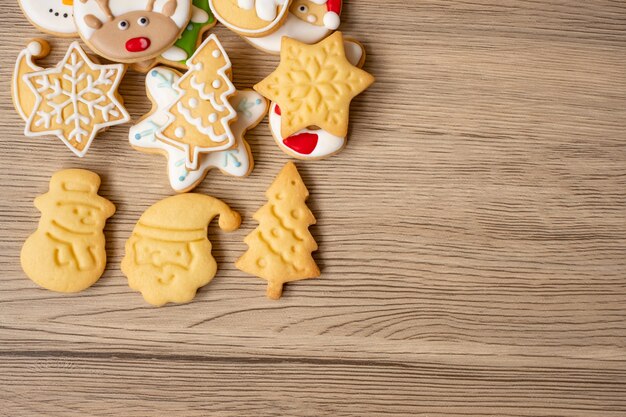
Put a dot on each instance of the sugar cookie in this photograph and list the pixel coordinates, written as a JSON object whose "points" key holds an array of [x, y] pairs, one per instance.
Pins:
{"points": [[131, 30], [67, 253], [311, 143], [308, 21], [280, 247], [251, 108], [251, 18], [314, 85], [73, 100], [50, 16], [168, 256]]}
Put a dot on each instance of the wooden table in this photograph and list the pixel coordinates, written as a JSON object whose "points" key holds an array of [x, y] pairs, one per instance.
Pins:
{"points": [[472, 238]]}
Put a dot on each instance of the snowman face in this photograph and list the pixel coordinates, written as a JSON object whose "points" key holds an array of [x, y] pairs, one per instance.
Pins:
{"points": [[309, 12], [54, 16]]}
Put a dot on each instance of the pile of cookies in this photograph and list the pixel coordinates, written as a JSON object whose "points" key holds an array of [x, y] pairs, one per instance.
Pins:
{"points": [[198, 121]]}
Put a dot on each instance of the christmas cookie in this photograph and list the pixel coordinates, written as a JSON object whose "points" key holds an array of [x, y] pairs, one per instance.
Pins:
{"points": [[251, 108], [201, 21], [73, 100], [50, 16], [314, 85], [280, 247], [311, 143], [251, 18], [308, 21], [197, 119], [131, 30], [67, 253], [168, 256]]}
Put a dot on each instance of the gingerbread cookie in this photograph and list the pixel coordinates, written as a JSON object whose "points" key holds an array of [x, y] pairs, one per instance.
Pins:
{"points": [[251, 108], [310, 143], [308, 21], [168, 257], [55, 17], [280, 247], [198, 119], [131, 30], [314, 85], [67, 252], [201, 21], [251, 18], [73, 100]]}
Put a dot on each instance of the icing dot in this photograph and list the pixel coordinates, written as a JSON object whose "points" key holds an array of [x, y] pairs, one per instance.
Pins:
{"points": [[216, 53], [213, 118], [258, 101], [181, 178], [216, 84], [193, 102], [179, 132], [190, 27], [311, 18], [34, 48], [154, 73], [137, 136]]}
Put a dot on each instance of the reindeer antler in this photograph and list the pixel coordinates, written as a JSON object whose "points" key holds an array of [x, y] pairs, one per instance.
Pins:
{"points": [[104, 6], [150, 5]]}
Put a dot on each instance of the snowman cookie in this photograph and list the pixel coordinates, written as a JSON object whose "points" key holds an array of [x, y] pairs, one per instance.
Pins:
{"points": [[50, 16], [315, 143], [308, 21], [251, 18], [131, 31]]}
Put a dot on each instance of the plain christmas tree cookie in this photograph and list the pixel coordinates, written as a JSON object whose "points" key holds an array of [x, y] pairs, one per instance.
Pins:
{"points": [[279, 249]]}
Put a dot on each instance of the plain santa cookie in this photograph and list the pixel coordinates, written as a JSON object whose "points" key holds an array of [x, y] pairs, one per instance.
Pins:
{"points": [[67, 252]]}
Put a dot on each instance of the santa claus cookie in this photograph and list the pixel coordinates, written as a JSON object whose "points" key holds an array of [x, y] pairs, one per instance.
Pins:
{"points": [[131, 30], [311, 143], [50, 16], [251, 18], [308, 21]]}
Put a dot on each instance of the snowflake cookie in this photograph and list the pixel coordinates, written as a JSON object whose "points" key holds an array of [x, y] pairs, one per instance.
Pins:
{"points": [[73, 100]]}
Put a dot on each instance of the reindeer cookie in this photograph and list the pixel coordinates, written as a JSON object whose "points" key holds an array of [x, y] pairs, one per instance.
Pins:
{"points": [[308, 21], [131, 30], [168, 256], [50, 16], [251, 18], [66, 253]]}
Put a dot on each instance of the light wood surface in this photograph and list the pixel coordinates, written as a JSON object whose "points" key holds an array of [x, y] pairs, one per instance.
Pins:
{"points": [[472, 238]]}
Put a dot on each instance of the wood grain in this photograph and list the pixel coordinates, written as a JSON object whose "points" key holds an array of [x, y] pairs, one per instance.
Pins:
{"points": [[472, 235]]}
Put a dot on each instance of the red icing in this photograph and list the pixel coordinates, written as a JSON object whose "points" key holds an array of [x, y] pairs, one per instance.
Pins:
{"points": [[137, 44], [304, 143], [277, 110]]}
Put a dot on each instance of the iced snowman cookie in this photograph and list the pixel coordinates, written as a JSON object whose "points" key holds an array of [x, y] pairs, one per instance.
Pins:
{"points": [[73, 100], [176, 56], [310, 143], [251, 107], [131, 30], [251, 18], [308, 21], [50, 16], [168, 256], [67, 253]]}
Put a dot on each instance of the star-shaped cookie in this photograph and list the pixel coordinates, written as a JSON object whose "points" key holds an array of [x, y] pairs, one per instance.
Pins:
{"points": [[314, 85], [73, 100]]}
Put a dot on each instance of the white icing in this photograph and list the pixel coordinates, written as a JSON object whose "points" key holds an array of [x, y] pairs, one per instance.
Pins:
{"points": [[353, 50], [233, 161], [198, 15], [35, 48], [245, 4], [331, 20], [216, 84], [175, 54], [265, 10], [193, 102], [179, 132], [212, 117], [216, 53], [60, 21], [38, 81], [311, 18], [293, 28]]}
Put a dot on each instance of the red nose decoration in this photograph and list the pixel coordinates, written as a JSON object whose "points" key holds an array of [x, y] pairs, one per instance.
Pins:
{"points": [[137, 44], [304, 143]]}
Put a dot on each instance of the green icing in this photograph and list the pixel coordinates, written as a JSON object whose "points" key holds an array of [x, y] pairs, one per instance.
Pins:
{"points": [[189, 38]]}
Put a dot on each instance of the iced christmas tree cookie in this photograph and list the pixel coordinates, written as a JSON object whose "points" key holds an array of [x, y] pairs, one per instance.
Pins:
{"points": [[251, 107], [168, 256], [308, 21], [251, 18], [280, 247], [314, 85], [73, 100], [67, 253], [55, 17], [131, 30]]}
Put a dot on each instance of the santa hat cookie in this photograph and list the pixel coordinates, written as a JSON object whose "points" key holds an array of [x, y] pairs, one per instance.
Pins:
{"points": [[331, 17]]}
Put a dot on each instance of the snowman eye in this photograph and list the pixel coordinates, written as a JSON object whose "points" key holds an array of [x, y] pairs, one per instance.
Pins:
{"points": [[143, 21], [123, 25], [303, 9]]}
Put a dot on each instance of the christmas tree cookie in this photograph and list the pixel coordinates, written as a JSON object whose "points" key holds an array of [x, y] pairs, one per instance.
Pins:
{"points": [[280, 247]]}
